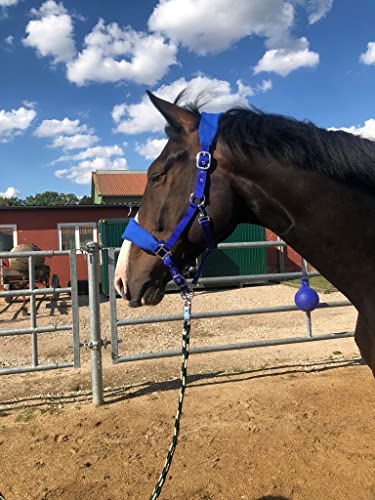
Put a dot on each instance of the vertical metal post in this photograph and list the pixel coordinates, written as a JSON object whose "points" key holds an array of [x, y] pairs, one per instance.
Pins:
{"points": [[75, 310], [112, 304], [308, 314], [281, 257], [92, 249], [34, 336]]}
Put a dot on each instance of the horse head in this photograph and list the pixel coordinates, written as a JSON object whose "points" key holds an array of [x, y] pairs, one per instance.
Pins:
{"points": [[170, 183]]}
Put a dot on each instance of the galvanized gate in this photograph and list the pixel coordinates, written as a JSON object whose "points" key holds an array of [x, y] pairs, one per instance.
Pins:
{"points": [[253, 278], [32, 291], [96, 343]]}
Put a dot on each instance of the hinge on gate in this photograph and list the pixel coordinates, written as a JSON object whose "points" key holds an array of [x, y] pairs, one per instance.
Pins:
{"points": [[90, 344]]}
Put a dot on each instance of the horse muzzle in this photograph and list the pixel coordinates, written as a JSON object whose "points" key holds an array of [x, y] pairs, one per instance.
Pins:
{"points": [[149, 293]]}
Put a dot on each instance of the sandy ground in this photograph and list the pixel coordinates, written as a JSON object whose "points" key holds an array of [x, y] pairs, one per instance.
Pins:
{"points": [[286, 422]]}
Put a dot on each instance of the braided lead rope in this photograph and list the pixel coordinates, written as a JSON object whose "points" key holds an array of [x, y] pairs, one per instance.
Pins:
{"points": [[185, 355]]}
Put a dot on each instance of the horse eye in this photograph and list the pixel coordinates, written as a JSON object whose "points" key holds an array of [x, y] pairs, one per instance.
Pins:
{"points": [[154, 178]]}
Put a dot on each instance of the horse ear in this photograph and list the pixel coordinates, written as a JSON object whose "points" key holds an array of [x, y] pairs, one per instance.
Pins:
{"points": [[176, 116]]}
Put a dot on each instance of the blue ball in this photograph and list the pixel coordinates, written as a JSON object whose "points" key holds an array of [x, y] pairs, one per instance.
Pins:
{"points": [[306, 298]]}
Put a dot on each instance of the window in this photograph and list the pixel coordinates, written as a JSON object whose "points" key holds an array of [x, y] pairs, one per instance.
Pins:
{"points": [[8, 237], [8, 240], [76, 235]]}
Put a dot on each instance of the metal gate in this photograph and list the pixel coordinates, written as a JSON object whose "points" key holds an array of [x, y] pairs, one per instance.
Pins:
{"points": [[96, 343], [32, 291], [255, 278]]}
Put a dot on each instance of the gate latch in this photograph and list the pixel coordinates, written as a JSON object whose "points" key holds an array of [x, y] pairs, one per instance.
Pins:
{"points": [[95, 345]]}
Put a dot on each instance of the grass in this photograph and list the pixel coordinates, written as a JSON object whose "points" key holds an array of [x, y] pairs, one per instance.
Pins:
{"points": [[26, 415], [49, 410], [317, 282]]}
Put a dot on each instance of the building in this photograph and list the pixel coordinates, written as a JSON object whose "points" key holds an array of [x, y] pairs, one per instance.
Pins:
{"points": [[118, 186], [56, 228]]}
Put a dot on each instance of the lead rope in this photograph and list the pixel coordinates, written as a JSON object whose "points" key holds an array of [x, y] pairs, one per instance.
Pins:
{"points": [[185, 355]]}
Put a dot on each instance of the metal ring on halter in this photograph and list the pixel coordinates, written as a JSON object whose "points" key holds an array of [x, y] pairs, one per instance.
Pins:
{"points": [[201, 204], [203, 164], [162, 252]]}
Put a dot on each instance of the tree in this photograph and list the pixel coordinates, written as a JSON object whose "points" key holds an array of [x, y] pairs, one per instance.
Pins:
{"points": [[10, 202], [86, 200], [52, 198]]}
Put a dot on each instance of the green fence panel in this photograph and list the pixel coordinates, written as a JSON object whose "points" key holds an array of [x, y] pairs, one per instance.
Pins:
{"points": [[110, 231], [241, 260]]}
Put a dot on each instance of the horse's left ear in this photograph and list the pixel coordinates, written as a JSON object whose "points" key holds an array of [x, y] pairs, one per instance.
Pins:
{"points": [[179, 118]]}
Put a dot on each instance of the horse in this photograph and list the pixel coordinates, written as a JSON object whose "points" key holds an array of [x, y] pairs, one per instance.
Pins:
{"points": [[311, 186]]}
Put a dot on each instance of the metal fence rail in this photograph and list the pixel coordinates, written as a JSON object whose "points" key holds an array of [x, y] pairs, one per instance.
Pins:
{"points": [[281, 276], [35, 330], [96, 343]]}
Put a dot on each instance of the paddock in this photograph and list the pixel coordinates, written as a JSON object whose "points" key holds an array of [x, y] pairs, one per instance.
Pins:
{"points": [[288, 421]]}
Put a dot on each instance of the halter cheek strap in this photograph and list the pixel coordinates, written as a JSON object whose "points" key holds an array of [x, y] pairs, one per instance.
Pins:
{"points": [[208, 127]]}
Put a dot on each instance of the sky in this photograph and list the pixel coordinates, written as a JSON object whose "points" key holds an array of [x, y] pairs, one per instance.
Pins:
{"points": [[73, 76]]}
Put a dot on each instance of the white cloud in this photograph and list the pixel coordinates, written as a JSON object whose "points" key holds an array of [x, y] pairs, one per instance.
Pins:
{"points": [[151, 148], [265, 86], [118, 112], [317, 9], [245, 90], [248, 91], [9, 40], [95, 158], [81, 173], [102, 151], [51, 34], [367, 131], [8, 3], [284, 61], [77, 141], [11, 192], [13, 122], [217, 24], [113, 54], [52, 128], [368, 57], [143, 117]]}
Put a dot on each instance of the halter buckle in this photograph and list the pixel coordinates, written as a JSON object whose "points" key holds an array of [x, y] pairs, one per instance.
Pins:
{"points": [[178, 279], [203, 219], [162, 252], [203, 160]]}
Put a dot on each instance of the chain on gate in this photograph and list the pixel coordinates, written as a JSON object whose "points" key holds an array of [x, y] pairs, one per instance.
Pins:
{"points": [[185, 355]]}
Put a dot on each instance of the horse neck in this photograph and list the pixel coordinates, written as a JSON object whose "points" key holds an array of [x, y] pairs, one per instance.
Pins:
{"points": [[331, 225]]}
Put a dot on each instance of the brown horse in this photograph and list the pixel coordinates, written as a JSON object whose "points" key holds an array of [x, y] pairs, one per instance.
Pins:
{"points": [[314, 188]]}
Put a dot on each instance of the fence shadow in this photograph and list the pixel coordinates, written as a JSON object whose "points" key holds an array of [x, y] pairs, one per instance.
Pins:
{"points": [[116, 395], [217, 378], [271, 497]]}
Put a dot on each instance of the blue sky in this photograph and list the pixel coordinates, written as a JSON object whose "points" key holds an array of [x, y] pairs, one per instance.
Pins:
{"points": [[73, 76]]}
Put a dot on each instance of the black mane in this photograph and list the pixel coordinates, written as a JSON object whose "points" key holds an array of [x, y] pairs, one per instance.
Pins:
{"points": [[340, 155]]}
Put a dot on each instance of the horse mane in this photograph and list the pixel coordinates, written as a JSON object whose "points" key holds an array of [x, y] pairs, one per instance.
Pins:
{"points": [[343, 156], [338, 154]]}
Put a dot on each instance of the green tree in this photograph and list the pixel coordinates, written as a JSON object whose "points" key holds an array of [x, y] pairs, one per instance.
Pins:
{"points": [[52, 198], [86, 200], [10, 202]]}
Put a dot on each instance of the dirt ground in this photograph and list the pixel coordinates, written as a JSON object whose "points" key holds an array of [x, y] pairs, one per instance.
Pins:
{"points": [[286, 422]]}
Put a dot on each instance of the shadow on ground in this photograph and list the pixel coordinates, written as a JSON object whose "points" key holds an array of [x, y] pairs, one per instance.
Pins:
{"points": [[115, 395]]}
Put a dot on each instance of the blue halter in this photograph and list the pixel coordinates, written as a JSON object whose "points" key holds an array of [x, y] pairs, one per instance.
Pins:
{"points": [[208, 127]]}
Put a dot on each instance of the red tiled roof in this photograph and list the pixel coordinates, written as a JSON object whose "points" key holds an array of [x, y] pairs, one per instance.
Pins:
{"points": [[120, 183]]}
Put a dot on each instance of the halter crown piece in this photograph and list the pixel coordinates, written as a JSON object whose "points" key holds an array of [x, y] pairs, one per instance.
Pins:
{"points": [[208, 127]]}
